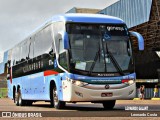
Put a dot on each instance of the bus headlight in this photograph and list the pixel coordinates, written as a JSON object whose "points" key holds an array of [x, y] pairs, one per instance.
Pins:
{"points": [[130, 82], [77, 82]]}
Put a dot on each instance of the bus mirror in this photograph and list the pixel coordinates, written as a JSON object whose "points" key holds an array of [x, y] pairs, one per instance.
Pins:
{"points": [[140, 39], [66, 41]]}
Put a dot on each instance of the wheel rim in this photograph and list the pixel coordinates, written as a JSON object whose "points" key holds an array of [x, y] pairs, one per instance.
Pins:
{"points": [[20, 100], [55, 96], [16, 97]]}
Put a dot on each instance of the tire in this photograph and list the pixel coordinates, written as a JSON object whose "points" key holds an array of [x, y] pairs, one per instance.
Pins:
{"points": [[14, 92], [54, 99], [20, 100], [109, 105], [16, 98]]}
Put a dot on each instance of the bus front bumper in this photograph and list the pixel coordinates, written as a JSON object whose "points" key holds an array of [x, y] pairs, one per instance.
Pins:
{"points": [[73, 93]]}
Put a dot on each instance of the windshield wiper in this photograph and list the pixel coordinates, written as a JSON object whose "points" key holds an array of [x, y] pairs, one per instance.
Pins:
{"points": [[95, 60], [115, 63]]}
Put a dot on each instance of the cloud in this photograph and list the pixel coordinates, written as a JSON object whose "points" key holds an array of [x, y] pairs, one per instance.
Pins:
{"points": [[19, 17]]}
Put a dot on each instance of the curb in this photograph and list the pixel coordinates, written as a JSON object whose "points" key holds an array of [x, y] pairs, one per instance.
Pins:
{"points": [[155, 98], [148, 99], [136, 99]]}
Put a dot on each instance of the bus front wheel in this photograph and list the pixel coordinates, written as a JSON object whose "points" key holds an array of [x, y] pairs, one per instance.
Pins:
{"points": [[109, 105], [54, 99]]}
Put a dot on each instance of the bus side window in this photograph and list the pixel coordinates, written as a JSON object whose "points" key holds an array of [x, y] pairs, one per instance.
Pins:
{"points": [[62, 55], [63, 60], [8, 67], [31, 48]]}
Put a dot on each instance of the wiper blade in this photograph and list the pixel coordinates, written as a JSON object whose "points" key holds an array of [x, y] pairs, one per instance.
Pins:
{"points": [[95, 60], [115, 63]]}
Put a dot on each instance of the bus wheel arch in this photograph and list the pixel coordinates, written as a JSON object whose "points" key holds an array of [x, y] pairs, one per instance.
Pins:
{"points": [[14, 93], [52, 84], [55, 102], [109, 105], [18, 97]]}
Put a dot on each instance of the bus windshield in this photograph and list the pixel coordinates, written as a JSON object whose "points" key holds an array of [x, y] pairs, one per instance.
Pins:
{"points": [[100, 48]]}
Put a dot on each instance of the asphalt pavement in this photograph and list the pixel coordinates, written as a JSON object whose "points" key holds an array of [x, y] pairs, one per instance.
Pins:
{"points": [[124, 108]]}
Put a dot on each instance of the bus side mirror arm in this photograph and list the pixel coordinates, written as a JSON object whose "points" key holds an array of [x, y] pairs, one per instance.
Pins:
{"points": [[140, 39]]}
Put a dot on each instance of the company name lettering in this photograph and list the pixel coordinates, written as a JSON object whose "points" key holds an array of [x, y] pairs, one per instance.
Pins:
{"points": [[33, 66], [105, 80]]}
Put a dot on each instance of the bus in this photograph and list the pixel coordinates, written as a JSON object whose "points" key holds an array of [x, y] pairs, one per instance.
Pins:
{"points": [[74, 58]]}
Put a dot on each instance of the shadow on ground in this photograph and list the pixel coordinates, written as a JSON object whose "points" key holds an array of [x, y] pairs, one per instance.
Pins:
{"points": [[81, 107]]}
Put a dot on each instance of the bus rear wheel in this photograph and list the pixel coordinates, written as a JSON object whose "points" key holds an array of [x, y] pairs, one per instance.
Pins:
{"points": [[16, 98], [54, 99], [21, 102], [109, 105]]}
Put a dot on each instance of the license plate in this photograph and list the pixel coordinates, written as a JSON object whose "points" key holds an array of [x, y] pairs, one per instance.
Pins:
{"points": [[106, 94]]}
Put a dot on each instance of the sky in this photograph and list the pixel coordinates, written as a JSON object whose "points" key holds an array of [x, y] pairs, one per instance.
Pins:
{"points": [[18, 18]]}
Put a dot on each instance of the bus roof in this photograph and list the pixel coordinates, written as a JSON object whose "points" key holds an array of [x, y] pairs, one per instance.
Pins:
{"points": [[79, 18], [87, 18]]}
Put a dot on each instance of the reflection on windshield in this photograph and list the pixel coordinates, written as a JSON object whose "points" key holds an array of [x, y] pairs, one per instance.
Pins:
{"points": [[88, 54]]}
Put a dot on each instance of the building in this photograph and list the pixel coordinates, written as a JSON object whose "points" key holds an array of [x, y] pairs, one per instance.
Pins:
{"points": [[83, 10]]}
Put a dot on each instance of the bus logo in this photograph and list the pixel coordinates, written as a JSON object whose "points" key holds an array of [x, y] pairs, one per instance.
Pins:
{"points": [[107, 86]]}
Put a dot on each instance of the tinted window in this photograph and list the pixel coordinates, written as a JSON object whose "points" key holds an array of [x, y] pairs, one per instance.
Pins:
{"points": [[31, 48], [47, 40], [43, 42], [37, 45], [63, 60], [24, 50]]}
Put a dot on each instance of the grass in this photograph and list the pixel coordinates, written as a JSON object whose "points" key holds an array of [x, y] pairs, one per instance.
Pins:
{"points": [[3, 92]]}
